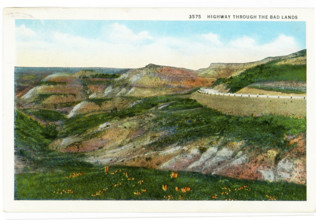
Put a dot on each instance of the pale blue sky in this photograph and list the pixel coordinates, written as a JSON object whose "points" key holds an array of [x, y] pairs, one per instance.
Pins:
{"points": [[191, 44]]}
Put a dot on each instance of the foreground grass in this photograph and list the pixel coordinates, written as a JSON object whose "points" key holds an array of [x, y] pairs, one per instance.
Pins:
{"points": [[131, 183]]}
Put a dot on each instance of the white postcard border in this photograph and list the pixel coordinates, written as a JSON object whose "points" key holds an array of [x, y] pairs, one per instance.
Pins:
{"points": [[12, 205]]}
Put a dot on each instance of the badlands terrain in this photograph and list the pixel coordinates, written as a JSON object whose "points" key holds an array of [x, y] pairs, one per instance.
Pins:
{"points": [[150, 133]]}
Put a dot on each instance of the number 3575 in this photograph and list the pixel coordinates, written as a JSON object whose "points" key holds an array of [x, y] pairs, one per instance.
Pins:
{"points": [[195, 16]]}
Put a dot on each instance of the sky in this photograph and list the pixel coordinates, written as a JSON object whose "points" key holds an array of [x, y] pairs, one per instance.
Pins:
{"points": [[132, 44]]}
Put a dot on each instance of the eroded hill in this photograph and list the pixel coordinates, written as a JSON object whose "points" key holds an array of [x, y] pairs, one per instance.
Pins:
{"points": [[286, 74]]}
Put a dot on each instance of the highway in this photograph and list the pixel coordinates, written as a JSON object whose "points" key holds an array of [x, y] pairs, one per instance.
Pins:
{"points": [[215, 92]]}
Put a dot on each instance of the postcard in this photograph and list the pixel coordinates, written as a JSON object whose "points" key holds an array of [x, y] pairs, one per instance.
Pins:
{"points": [[159, 110]]}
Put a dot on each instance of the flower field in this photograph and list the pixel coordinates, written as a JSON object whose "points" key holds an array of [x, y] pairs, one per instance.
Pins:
{"points": [[131, 183]]}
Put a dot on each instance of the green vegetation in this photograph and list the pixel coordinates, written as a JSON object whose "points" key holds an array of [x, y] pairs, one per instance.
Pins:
{"points": [[91, 81], [265, 72], [105, 75], [266, 131], [219, 81], [30, 135], [28, 78], [62, 105], [79, 124], [191, 91], [46, 114], [185, 119], [99, 101], [51, 83], [42, 96], [31, 141], [279, 89], [181, 104], [131, 183], [84, 74]]}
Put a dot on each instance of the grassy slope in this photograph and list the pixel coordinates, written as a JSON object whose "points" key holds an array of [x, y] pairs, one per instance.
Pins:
{"points": [[266, 131], [31, 141], [30, 134], [46, 114], [280, 89], [265, 72]]}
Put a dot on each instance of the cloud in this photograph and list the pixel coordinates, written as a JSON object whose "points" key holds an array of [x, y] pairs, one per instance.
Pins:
{"points": [[72, 42], [22, 32], [121, 33], [248, 49], [243, 42], [212, 38], [123, 47], [282, 42]]}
